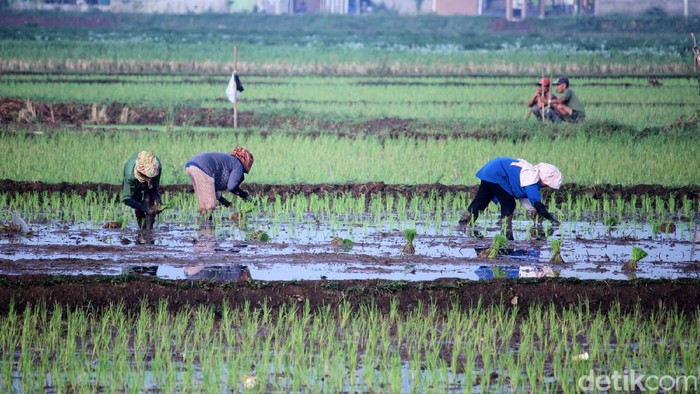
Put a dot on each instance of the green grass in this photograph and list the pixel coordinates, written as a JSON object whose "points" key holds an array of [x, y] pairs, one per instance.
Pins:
{"points": [[665, 159], [452, 100], [440, 74]]}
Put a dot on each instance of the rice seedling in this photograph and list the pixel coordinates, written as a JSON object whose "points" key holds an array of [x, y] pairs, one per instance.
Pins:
{"points": [[637, 254], [556, 252], [410, 235], [346, 243], [499, 243], [316, 158], [611, 221], [258, 235]]}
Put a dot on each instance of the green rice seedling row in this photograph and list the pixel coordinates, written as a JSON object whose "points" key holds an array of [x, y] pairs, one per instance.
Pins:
{"points": [[273, 232], [287, 349], [283, 159]]}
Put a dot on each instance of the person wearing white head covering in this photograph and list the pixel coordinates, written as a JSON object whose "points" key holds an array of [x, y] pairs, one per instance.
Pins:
{"points": [[504, 179]]}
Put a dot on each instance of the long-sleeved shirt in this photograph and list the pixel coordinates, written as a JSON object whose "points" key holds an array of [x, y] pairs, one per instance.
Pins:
{"points": [[226, 170], [501, 172], [131, 187]]}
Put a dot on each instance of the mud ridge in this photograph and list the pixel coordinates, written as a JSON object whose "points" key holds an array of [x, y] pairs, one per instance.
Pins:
{"points": [[372, 188], [100, 292]]}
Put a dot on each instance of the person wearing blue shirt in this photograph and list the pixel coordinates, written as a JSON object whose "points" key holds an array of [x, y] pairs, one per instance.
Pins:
{"points": [[504, 179]]}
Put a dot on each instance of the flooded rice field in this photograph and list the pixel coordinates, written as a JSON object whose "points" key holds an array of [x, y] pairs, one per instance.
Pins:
{"points": [[316, 248]]}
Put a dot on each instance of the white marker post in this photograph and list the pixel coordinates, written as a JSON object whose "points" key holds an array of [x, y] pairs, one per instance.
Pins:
{"points": [[235, 103]]}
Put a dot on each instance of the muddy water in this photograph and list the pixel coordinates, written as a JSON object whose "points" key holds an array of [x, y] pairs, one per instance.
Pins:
{"points": [[302, 249]]}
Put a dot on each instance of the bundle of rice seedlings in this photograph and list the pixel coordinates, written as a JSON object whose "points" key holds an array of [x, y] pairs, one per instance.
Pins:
{"points": [[119, 223], [499, 243], [242, 215], [346, 243], [637, 254], [259, 236], [410, 234], [556, 252]]}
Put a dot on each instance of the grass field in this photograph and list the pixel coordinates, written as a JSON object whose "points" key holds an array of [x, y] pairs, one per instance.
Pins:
{"points": [[343, 100], [665, 159], [461, 100]]}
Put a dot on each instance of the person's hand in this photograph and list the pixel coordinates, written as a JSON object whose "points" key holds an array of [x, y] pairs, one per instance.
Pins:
{"points": [[244, 195], [223, 201]]}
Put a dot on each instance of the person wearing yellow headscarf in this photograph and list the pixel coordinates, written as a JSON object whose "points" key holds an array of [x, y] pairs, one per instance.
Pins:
{"points": [[141, 180]]}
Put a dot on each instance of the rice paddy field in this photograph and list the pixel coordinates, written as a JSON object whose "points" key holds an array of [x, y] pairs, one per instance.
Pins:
{"points": [[347, 271]]}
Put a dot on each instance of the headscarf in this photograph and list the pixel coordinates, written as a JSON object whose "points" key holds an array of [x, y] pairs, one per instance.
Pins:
{"points": [[549, 175], [530, 175], [244, 156], [146, 164]]}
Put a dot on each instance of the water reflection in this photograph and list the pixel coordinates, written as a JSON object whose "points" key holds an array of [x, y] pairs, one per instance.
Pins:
{"points": [[235, 272], [529, 254], [538, 271], [497, 272], [206, 241], [515, 271], [147, 270]]}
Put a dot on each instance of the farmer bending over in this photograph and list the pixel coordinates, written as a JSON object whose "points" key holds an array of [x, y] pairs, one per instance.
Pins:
{"points": [[503, 180], [140, 185], [214, 172]]}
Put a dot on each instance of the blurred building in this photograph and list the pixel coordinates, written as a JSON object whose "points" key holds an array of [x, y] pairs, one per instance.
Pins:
{"points": [[652, 7], [512, 10], [141, 6], [277, 7]]}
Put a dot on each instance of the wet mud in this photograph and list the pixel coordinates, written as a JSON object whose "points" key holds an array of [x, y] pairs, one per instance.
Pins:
{"points": [[625, 192], [100, 292], [63, 115]]}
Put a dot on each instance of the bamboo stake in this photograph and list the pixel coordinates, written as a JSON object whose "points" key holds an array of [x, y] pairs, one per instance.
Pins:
{"points": [[235, 103], [542, 95], [549, 100]]}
